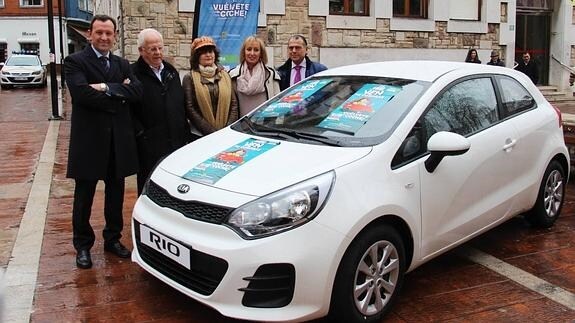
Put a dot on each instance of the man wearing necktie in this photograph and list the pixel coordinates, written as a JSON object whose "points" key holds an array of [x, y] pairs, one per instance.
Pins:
{"points": [[102, 139], [298, 66]]}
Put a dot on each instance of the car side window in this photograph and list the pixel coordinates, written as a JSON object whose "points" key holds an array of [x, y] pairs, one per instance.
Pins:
{"points": [[465, 108], [514, 97]]}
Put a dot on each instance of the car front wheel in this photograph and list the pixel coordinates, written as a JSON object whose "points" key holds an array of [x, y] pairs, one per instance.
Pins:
{"points": [[550, 198], [369, 276]]}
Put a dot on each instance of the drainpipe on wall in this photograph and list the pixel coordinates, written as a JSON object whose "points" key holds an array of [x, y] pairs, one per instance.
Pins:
{"points": [[121, 24]]}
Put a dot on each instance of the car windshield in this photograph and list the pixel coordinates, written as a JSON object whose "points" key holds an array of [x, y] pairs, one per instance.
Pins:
{"points": [[23, 61], [336, 110]]}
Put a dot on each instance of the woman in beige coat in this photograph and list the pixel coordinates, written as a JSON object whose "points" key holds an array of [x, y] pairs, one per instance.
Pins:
{"points": [[253, 81]]}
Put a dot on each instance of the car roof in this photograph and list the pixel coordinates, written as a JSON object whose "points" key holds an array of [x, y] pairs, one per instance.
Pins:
{"points": [[413, 70], [23, 55]]}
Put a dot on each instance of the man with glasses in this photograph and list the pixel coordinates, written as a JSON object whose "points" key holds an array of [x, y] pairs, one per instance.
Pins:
{"points": [[298, 66], [160, 116]]}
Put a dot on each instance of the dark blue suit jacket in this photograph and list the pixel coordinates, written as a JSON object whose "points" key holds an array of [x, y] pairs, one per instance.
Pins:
{"points": [[310, 69]]}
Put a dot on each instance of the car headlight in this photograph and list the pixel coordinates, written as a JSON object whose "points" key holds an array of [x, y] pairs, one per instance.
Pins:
{"points": [[282, 210], [5, 72], [36, 72]]}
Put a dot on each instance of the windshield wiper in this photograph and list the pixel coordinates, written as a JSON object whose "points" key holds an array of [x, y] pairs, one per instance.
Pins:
{"points": [[287, 134]]}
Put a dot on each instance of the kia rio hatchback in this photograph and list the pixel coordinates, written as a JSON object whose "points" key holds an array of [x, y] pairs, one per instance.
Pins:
{"points": [[319, 201]]}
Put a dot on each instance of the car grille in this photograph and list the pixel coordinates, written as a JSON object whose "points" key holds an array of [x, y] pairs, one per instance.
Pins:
{"points": [[20, 79], [272, 286], [190, 209], [205, 274]]}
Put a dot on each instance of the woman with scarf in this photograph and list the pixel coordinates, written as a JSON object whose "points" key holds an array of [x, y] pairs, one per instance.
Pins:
{"points": [[253, 81], [211, 103]]}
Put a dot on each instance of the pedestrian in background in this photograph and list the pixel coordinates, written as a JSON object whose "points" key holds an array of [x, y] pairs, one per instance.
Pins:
{"points": [[298, 66], [211, 103], [472, 56], [495, 59], [528, 67], [160, 115], [102, 140], [253, 81]]}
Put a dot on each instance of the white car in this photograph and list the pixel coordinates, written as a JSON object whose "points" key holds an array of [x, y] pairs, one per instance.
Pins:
{"points": [[22, 70], [319, 201]]}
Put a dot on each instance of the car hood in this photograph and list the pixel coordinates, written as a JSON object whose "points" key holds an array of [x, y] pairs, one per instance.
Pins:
{"points": [[212, 160], [21, 69]]}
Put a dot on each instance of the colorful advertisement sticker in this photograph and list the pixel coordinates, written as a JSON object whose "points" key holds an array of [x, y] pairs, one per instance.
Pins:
{"points": [[213, 169], [293, 100], [352, 114]]}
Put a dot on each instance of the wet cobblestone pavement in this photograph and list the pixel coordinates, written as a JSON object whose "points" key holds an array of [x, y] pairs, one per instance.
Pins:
{"points": [[451, 288]]}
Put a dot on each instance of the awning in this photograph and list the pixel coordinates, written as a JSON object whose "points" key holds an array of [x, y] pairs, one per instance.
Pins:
{"points": [[80, 31], [29, 40]]}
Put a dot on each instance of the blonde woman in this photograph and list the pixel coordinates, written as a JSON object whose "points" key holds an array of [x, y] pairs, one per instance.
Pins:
{"points": [[211, 103], [253, 81]]}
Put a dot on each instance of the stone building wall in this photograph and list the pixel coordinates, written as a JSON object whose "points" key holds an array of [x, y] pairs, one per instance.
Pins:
{"points": [[177, 30]]}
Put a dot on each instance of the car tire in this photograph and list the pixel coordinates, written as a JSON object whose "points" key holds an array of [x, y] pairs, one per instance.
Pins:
{"points": [[550, 197], [380, 285], [5, 86]]}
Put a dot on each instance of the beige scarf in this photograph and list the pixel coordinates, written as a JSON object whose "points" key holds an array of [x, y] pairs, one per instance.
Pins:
{"points": [[252, 82], [204, 99]]}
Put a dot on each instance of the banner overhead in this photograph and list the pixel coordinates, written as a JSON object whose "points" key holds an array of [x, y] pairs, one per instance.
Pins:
{"points": [[228, 22]]}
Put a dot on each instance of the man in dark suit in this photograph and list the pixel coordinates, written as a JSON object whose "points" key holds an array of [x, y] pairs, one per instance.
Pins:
{"points": [[529, 67], [160, 116], [102, 140], [298, 66]]}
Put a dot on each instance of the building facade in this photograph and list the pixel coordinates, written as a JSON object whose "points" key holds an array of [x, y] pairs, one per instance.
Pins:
{"points": [[353, 31], [24, 27]]}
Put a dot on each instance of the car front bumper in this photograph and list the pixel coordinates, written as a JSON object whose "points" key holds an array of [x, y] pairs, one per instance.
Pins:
{"points": [[22, 80], [311, 250]]}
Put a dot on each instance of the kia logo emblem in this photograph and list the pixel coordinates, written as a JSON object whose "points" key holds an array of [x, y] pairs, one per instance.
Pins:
{"points": [[183, 188]]}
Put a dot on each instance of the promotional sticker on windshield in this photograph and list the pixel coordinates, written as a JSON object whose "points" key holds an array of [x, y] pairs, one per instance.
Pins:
{"points": [[213, 169], [294, 100], [352, 114]]}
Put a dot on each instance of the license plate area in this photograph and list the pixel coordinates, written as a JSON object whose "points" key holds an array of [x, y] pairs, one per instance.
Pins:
{"points": [[165, 245], [21, 79]]}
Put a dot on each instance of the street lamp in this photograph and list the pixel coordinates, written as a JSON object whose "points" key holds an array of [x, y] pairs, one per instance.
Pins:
{"points": [[62, 78], [53, 79]]}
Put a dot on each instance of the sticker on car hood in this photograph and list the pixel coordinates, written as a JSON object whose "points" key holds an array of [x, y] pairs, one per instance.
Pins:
{"points": [[214, 168]]}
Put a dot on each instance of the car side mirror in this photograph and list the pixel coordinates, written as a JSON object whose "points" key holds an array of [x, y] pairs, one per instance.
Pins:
{"points": [[1, 64], [443, 144]]}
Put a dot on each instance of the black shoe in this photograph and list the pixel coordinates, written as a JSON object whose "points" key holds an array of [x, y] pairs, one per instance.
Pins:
{"points": [[118, 249], [83, 259]]}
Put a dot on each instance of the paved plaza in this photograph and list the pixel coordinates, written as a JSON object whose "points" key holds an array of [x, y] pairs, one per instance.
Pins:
{"points": [[513, 273]]}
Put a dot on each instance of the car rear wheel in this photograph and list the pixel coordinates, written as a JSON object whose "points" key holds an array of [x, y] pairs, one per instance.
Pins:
{"points": [[550, 198], [369, 277]]}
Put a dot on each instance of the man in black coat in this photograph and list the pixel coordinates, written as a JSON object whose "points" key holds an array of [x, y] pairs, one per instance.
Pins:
{"points": [[160, 116], [298, 66], [102, 141], [529, 67]]}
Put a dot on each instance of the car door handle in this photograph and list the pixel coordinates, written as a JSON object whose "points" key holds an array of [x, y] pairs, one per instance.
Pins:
{"points": [[509, 143]]}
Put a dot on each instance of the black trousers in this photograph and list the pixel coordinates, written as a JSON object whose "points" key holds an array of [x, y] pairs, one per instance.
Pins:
{"points": [[83, 234]]}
